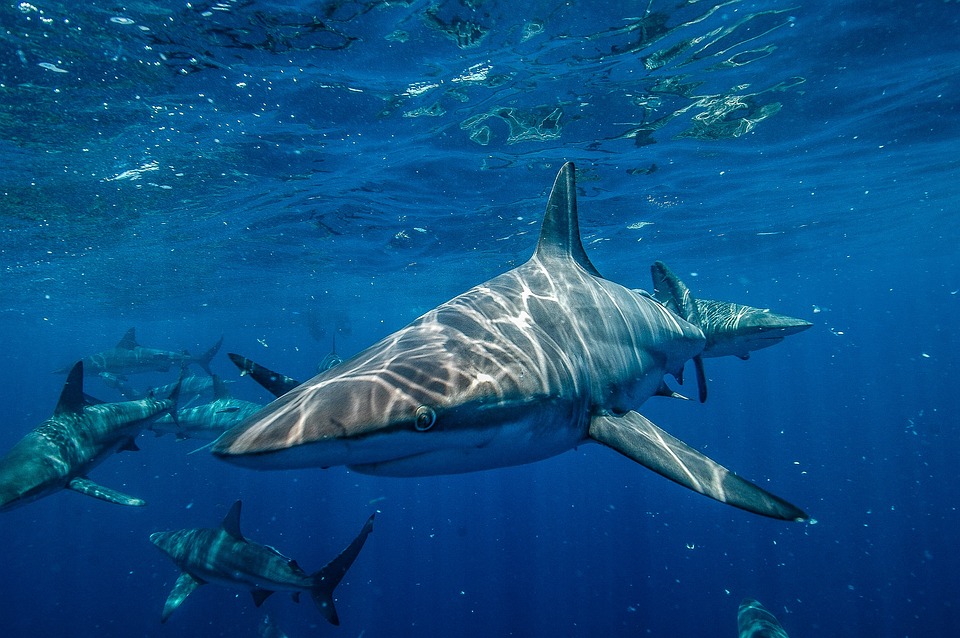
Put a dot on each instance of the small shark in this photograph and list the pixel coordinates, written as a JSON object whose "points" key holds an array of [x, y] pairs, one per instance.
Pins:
{"points": [[81, 433], [129, 357], [530, 364], [223, 556], [208, 421], [754, 621]]}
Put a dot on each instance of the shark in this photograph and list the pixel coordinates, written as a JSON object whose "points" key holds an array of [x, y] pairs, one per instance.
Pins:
{"points": [[129, 357], [754, 621], [530, 364], [80, 434], [225, 557], [208, 420]]}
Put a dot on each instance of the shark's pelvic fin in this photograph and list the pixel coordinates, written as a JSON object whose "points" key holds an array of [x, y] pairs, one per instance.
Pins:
{"points": [[560, 233], [86, 486], [72, 398], [231, 522], [637, 438], [183, 588], [327, 579]]}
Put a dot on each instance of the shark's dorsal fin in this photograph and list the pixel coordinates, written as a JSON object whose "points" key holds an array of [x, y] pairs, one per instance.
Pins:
{"points": [[220, 390], [72, 398], [260, 595], [129, 341], [560, 233], [231, 522]]}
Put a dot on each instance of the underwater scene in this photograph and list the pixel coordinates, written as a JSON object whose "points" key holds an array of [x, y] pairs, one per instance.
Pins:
{"points": [[479, 318]]}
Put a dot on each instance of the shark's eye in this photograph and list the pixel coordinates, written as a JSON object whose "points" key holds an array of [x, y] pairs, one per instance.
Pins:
{"points": [[425, 418]]}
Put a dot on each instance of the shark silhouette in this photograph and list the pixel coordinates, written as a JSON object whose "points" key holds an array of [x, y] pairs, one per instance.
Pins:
{"points": [[223, 556], [530, 364], [82, 432]]}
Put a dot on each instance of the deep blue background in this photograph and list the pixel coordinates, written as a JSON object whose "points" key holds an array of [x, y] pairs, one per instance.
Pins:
{"points": [[282, 212]]}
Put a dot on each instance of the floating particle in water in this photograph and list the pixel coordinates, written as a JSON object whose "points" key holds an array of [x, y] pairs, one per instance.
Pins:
{"points": [[121, 20]]}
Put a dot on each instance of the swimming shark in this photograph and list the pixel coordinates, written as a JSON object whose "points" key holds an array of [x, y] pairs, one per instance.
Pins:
{"points": [[223, 556], [530, 364], [754, 621], [129, 357], [82, 432], [208, 420]]}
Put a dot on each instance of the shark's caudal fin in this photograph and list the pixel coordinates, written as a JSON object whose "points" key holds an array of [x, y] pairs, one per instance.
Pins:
{"points": [[327, 579], [730, 328], [275, 383], [560, 233], [634, 436], [204, 360]]}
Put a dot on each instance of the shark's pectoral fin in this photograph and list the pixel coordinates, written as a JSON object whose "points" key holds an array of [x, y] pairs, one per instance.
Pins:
{"points": [[634, 436], [701, 378], [183, 588], [86, 486], [260, 595]]}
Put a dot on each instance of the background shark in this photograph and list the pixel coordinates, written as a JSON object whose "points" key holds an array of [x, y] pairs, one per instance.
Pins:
{"points": [[525, 366], [129, 357], [223, 556], [209, 420], [754, 621], [81, 433]]}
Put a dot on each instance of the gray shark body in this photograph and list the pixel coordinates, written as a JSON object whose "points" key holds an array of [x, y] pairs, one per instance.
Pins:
{"points": [[528, 365], [207, 421], [129, 357], [224, 557], [81, 433], [754, 621]]}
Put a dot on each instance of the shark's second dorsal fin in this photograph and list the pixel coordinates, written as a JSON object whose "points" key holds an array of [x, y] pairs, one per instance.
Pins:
{"points": [[231, 522], [72, 398], [560, 234], [129, 341]]}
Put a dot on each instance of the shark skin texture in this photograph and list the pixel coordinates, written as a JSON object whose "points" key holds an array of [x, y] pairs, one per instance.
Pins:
{"points": [[224, 557], [129, 357], [79, 436], [525, 366]]}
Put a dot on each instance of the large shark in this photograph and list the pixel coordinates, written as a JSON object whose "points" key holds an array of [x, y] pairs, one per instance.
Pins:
{"points": [[754, 621], [530, 364], [129, 357], [81, 433], [223, 556]]}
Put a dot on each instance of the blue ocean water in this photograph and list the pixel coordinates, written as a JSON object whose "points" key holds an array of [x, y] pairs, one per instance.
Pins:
{"points": [[283, 173]]}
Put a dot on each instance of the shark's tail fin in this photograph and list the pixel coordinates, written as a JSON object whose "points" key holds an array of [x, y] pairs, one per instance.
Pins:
{"points": [[327, 579], [204, 360], [730, 328]]}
